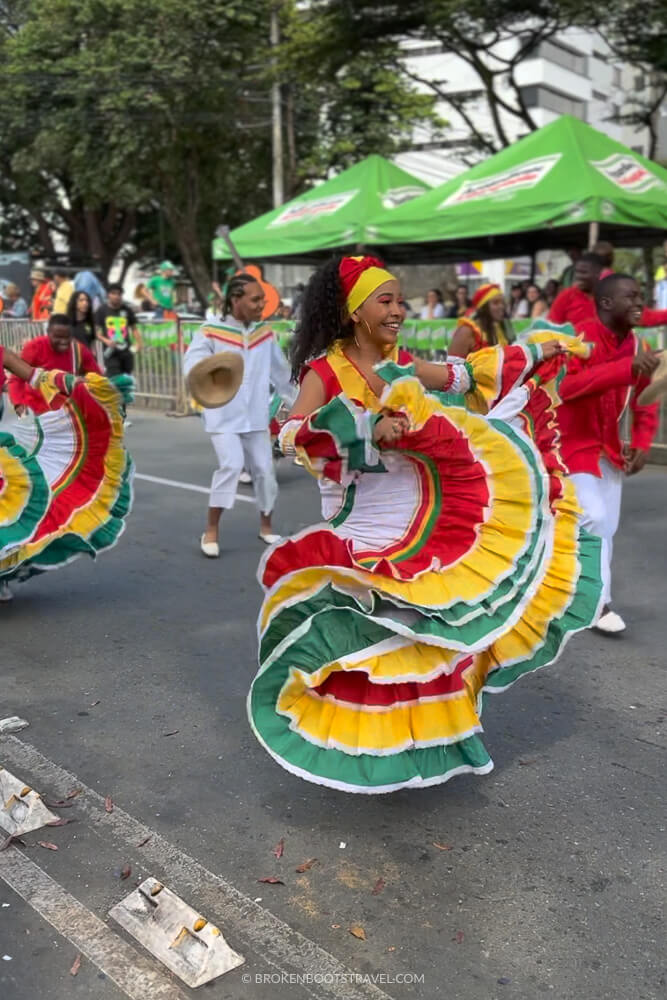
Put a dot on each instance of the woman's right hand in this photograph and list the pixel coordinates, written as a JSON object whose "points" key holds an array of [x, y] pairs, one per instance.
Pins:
{"points": [[389, 429]]}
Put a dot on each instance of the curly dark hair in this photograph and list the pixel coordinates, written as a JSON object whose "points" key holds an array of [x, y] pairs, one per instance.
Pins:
{"points": [[322, 319]]}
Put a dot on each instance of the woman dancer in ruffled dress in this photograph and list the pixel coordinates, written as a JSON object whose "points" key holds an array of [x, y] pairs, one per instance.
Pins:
{"points": [[450, 560], [65, 475]]}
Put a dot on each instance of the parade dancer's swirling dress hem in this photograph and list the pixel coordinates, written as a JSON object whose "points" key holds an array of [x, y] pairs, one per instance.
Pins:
{"points": [[448, 566]]}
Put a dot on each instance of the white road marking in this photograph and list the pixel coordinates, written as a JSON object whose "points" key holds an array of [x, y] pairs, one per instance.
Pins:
{"points": [[247, 926], [131, 971], [186, 486]]}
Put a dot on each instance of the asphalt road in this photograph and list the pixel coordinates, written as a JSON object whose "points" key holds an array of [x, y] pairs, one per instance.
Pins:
{"points": [[133, 674]]}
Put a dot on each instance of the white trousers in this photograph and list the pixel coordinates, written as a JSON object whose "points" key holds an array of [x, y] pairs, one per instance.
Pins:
{"points": [[235, 452], [600, 500]]}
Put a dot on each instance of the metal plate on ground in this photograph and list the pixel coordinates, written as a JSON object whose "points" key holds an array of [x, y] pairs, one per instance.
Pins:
{"points": [[179, 937], [21, 807]]}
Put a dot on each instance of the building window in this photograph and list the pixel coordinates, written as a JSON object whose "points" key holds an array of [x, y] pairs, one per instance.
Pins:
{"points": [[597, 96], [617, 76], [563, 56], [552, 100], [640, 82]]}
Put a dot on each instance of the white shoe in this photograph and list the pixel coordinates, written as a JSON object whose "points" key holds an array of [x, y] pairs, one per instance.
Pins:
{"points": [[245, 478], [210, 549], [610, 623], [269, 539], [5, 593]]}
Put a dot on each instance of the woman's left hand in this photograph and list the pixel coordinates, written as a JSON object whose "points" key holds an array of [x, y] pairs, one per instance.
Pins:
{"points": [[552, 348], [390, 428]]}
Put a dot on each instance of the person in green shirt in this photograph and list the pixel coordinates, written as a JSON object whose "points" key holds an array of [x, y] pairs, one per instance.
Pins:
{"points": [[161, 289]]}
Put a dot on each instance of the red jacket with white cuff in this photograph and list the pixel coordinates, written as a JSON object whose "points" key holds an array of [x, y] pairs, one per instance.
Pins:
{"points": [[595, 393]]}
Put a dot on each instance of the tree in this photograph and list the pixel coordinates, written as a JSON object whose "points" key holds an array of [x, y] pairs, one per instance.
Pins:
{"points": [[640, 42], [491, 38], [155, 106]]}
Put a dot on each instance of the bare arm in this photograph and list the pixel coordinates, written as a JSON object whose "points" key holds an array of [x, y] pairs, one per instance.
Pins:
{"points": [[16, 365], [311, 396], [463, 342], [433, 375]]}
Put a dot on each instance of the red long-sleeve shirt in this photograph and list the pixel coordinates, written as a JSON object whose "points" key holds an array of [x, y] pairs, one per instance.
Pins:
{"points": [[595, 393], [574, 306], [39, 353]]}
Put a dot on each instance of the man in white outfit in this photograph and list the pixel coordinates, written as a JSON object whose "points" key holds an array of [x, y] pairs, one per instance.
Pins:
{"points": [[240, 429]]}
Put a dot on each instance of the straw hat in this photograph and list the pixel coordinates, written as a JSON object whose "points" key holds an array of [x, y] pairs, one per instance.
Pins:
{"points": [[658, 384], [216, 380]]}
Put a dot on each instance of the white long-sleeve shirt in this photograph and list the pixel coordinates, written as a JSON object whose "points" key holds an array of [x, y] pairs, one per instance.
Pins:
{"points": [[264, 364]]}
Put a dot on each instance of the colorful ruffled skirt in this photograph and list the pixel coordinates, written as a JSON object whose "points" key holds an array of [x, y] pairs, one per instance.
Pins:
{"points": [[448, 566], [65, 478]]}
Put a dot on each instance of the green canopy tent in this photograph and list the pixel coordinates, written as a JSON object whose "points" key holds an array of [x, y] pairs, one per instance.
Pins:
{"points": [[541, 193], [332, 216]]}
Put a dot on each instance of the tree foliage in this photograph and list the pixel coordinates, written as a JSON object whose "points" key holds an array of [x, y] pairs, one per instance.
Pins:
{"points": [[148, 106]]}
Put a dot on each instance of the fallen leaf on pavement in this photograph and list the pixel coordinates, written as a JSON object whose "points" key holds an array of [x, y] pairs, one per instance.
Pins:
{"points": [[73, 794], [524, 762], [358, 931], [76, 966], [125, 872], [61, 821], [144, 841], [378, 887], [279, 849], [48, 845], [443, 847], [459, 937], [307, 865], [57, 803], [93, 703], [271, 880], [174, 732], [108, 804]]}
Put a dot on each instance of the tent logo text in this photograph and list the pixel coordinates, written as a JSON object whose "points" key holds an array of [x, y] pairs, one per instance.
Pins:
{"points": [[307, 211], [627, 173], [503, 185], [398, 196]]}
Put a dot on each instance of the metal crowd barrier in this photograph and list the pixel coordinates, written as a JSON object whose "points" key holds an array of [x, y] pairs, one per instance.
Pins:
{"points": [[159, 366]]}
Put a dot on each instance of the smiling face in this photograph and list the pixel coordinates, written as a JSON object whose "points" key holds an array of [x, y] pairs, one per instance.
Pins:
{"points": [[623, 306], [379, 318], [586, 274], [60, 336]]}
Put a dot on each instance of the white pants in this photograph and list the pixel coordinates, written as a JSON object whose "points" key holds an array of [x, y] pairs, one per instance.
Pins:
{"points": [[235, 452], [600, 500]]}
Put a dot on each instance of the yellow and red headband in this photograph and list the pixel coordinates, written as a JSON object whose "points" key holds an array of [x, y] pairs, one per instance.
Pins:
{"points": [[483, 295], [359, 277]]}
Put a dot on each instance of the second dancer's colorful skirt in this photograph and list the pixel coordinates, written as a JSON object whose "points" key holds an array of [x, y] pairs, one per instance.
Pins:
{"points": [[65, 478]]}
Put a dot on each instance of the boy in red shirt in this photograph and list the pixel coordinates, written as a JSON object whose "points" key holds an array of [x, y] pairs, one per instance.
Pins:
{"points": [[577, 304], [57, 350], [595, 394]]}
